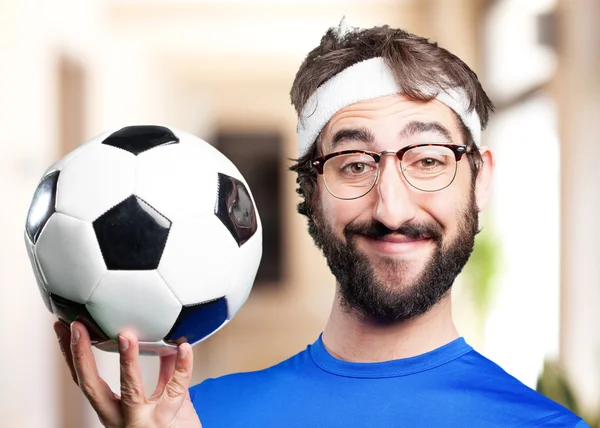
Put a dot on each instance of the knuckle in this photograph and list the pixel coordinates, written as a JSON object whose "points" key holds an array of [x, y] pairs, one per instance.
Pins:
{"points": [[85, 387], [174, 389], [88, 391], [77, 353], [177, 386], [126, 362], [181, 372], [131, 393]]}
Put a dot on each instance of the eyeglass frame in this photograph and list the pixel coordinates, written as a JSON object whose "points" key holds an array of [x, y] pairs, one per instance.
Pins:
{"points": [[458, 150]]}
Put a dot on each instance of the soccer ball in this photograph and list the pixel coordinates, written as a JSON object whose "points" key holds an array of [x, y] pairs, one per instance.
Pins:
{"points": [[145, 228]]}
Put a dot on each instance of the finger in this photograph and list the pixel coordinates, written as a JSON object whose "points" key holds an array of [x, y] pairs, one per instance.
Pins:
{"points": [[176, 390], [167, 365], [132, 386], [63, 334], [94, 388]]}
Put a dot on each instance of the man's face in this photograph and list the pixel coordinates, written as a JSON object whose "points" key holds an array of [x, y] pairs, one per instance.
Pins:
{"points": [[396, 251]]}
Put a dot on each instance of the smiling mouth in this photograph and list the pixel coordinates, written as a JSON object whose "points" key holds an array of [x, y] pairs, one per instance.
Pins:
{"points": [[395, 243], [400, 239]]}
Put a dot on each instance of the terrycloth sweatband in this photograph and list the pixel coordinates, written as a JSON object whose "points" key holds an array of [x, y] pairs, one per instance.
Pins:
{"points": [[362, 81]]}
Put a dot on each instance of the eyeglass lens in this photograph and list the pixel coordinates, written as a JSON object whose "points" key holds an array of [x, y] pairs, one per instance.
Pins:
{"points": [[427, 168]]}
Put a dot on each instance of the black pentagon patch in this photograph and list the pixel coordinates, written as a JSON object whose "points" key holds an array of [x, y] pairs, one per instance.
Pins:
{"points": [[132, 235], [195, 322], [235, 209], [68, 311], [42, 206], [138, 139]]}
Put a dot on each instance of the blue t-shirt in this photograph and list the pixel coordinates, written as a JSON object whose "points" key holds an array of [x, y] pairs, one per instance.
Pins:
{"points": [[451, 387]]}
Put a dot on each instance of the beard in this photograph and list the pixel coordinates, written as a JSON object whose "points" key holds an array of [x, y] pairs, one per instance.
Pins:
{"points": [[379, 295]]}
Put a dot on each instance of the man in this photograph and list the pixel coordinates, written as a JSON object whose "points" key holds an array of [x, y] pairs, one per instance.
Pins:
{"points": [[393, 175]]}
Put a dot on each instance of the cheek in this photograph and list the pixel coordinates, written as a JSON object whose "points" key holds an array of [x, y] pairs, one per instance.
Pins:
{"points": [[446, 207], [338, 213], [463, 175], [454, 200]]}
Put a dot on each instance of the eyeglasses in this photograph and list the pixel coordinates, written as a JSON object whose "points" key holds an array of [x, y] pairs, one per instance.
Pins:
{"points": [[351, 174]]}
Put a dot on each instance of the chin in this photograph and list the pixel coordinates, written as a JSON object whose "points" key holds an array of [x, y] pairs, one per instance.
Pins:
{"points": [[398, 273]]}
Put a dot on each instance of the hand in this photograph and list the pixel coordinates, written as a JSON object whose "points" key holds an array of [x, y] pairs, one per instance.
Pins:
{"points": [[168, 407]]}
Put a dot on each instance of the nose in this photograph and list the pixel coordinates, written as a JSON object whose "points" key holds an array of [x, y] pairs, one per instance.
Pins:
{"points": [[393, 207]]}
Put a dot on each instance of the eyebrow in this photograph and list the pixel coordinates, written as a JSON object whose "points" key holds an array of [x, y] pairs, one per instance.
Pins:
{"points": [[353, 134], [417, 127], [364, 135]]}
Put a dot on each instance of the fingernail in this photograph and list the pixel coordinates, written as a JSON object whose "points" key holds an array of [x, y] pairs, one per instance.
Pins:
{"points": [[74, 334], [183, 351], [123, 343]]}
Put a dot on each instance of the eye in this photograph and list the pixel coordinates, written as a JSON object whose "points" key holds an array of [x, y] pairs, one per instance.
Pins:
{"points": [[356, 168], [427, 160], [429, 163]]}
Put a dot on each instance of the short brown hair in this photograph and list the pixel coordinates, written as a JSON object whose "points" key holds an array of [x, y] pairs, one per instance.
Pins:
{"points": [[416, 63]]}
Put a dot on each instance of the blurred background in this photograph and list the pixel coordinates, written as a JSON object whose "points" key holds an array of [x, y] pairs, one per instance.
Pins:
{"points": [[222, 70]]}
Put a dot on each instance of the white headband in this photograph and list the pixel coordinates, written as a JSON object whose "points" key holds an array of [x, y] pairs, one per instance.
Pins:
{"points": [[366, 80]]}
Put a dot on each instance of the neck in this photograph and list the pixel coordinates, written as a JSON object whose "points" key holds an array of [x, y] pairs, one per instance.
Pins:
{"points": [[350, 338]]}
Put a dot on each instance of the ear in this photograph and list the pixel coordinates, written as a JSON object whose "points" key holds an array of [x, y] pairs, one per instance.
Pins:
{"points": [[483, 184]]}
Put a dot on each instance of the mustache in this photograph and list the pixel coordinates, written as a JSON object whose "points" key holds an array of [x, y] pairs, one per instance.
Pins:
{"points": [[413, 230]]}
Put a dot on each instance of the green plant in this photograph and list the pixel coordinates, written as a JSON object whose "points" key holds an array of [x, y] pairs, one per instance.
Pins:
{"points": [[553, 383], [481, 270]]}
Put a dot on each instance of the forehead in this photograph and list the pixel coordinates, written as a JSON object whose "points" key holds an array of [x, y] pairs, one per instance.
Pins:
{"points": [[387, 116]]}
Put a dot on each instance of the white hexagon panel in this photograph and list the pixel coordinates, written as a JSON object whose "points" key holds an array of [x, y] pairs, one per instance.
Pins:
{"points": [[139, 301], [95, 180], [242, 278], [37, 273], [69, 257], [178, 180], [191, 265]]}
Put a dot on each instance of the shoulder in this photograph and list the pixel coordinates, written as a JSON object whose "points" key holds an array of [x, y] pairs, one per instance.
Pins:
{"points": [[499, 391], [254, 383], [235, 399]]}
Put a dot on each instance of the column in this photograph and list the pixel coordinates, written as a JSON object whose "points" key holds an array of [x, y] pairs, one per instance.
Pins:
{"points": [[578, 90]]}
